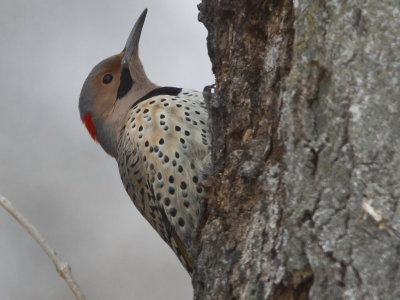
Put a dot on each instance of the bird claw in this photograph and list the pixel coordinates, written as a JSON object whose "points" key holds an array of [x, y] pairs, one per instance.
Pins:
{"points": [[208, 91]]}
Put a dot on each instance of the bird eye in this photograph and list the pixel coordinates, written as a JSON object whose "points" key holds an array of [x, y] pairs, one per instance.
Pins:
{"points": [[107, 78]]}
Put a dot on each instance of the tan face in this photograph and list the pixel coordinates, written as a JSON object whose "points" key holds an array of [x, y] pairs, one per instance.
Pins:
{"points": [[111, 88], [99, 92], [106, 83]]}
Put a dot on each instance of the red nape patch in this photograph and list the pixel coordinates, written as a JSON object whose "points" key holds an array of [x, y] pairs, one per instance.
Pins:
{"points": [[87, 120]]}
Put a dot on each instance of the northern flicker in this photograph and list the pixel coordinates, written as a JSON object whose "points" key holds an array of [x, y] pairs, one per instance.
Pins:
{"points": [[159, 137]]}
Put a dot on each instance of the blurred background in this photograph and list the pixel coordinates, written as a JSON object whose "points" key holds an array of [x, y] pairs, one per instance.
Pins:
{"points": [[55, 174]]}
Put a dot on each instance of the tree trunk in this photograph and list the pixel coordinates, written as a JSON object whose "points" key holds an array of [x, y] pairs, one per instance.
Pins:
{"points": [[305, 120]]}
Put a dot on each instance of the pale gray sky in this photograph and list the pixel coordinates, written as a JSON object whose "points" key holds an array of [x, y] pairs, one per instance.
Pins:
{"points": [[51, 170]]}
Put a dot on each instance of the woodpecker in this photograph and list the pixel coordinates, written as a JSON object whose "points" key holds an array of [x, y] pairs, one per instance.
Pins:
{"points": [[159, 137]]}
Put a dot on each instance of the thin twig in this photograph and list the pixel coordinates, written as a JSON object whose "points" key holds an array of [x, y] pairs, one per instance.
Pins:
{"points": [[63, 269]]}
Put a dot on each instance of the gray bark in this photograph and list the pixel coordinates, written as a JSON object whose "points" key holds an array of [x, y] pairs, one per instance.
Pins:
{"points": [[342, 122], [306, 123]]}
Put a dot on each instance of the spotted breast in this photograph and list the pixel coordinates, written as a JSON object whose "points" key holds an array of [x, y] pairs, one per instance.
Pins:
{"points": [[163, 154]]}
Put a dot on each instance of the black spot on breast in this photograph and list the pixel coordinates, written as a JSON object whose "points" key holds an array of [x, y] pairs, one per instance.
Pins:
{"points": [[171, 190], [177, 128], [159, 176], [195, 179], [158, 196], [171, 179], [180, 169], [166, 158], [161, 141], [181, 222], [183, 185], [172, 211], [176, 154], [167, 201], [186, 203], [146, 111]]}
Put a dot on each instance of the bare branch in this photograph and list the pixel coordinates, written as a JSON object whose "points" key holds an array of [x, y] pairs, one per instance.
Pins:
{"points": [[63, 268]]}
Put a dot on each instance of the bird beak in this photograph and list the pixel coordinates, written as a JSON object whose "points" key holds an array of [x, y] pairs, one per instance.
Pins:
{"points": [[131, 49]]}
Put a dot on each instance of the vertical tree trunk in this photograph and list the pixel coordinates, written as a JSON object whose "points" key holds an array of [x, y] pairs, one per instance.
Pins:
{"points": [[306, 123]]}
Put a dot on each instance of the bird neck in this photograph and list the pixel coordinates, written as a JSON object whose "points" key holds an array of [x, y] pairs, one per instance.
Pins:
{"points": [[109, 125]]}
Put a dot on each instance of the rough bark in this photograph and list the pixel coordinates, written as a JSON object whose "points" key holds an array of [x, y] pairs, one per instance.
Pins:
{"points": [[305, 120]]}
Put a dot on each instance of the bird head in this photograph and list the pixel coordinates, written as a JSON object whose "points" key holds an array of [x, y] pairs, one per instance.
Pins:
{"points": [[110, 90]]}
